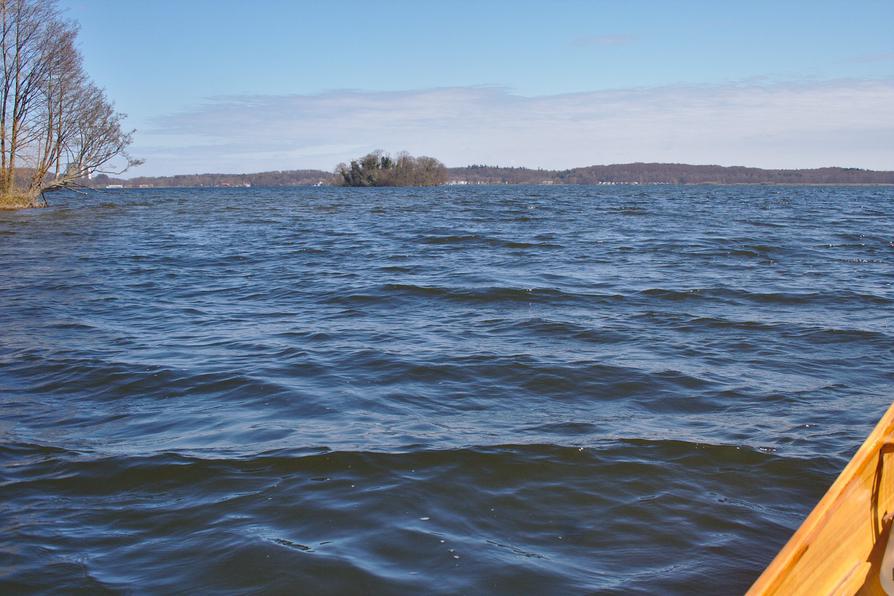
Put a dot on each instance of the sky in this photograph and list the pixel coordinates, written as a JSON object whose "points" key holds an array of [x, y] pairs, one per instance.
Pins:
{"points": [[237, 86]]}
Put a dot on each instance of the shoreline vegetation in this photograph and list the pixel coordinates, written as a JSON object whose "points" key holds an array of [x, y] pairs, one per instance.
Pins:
{"points": [[57, 128], [372, 170]]}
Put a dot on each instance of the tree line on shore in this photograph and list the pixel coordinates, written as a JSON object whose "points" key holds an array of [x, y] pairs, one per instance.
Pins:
{"points": [[271, 178], [668, 173], [635, 173]]}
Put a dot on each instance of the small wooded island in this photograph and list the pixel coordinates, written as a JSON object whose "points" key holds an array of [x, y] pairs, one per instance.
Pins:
{"points": [[380, 169]]}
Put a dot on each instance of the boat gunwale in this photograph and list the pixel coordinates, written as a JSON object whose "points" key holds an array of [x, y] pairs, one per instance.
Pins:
{"points": [[788, 558]]}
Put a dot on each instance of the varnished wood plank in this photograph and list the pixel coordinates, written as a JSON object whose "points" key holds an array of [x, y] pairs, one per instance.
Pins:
{"points": [[839, 547]]}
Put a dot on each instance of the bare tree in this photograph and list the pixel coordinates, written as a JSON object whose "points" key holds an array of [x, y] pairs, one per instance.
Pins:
{"points": [[56, 127]]}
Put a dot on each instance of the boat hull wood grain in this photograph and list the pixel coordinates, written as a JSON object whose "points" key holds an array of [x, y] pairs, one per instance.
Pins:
{"points": [[839, 547]]}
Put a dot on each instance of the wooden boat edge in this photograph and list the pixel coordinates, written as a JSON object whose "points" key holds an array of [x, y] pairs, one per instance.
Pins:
{"points": [[785, 562]]}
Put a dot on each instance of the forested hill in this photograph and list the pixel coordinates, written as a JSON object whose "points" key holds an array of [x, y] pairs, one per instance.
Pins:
{"points": [[633, 173], [275, 178], [667, 173]]}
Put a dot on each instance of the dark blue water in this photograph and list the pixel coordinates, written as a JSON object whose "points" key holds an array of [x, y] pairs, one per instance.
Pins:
{"points": [[453, 390]]}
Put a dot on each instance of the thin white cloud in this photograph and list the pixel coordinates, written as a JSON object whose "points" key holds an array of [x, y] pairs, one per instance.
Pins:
{"points": [[789, 125]]}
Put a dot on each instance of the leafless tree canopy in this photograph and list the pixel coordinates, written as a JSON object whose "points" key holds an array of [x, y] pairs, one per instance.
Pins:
{"points": [[56, 127]]}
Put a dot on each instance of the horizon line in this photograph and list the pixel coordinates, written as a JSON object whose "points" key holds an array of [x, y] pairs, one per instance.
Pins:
{"points": [[507, 167]]}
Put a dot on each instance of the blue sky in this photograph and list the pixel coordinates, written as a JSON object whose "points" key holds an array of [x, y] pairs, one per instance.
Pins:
{"points": [[249, 86]]}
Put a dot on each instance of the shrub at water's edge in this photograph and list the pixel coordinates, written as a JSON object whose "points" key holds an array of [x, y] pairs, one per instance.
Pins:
{"points": [[380, 169], [17, 201], [57, 128]]}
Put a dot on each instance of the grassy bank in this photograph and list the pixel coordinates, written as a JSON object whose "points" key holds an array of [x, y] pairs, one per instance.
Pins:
{"points": [[19, 201]]}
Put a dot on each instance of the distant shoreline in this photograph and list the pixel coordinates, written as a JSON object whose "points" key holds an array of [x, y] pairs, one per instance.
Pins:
{"points": [[793, 184], [607, 175]]}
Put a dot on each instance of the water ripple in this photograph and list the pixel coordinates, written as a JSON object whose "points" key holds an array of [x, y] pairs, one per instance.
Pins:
{"points": [[448, 390]]}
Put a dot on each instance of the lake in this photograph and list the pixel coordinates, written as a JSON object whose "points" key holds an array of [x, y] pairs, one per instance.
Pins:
{"points": [[504, 390]]}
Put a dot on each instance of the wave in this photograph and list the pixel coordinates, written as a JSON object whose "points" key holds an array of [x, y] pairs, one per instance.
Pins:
{"points": [[835, 297], [480, 240], [558, 329], [468, 294], [95, 472]]}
